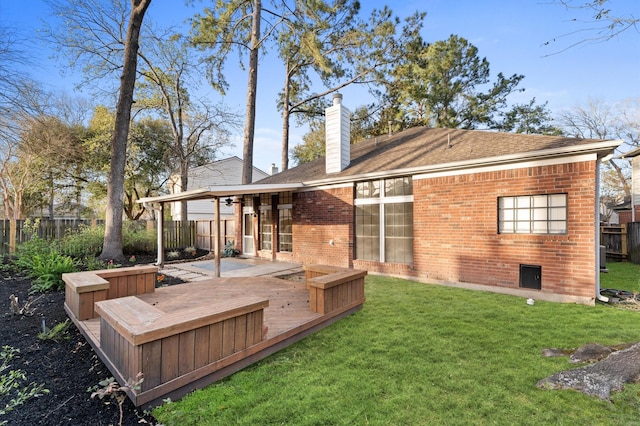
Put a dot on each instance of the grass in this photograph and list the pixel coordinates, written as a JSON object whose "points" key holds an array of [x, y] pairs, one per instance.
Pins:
{"points": [[621, 276], [419, 354]]}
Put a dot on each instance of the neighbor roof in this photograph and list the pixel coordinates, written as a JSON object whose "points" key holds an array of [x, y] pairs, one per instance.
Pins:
{"points": [[424, 149]]}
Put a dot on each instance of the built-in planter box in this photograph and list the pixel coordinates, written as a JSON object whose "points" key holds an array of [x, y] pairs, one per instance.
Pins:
{"points": [[173, 349], [84, 289], [332, 288]]}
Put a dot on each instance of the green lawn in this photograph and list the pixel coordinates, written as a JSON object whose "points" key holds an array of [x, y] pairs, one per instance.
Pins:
{"points": [[422, 355], [621, 276]]}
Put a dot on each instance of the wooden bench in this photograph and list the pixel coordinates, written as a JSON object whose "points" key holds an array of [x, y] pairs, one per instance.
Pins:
{"points": [[84, 289], [332, 288], [138, 337]]}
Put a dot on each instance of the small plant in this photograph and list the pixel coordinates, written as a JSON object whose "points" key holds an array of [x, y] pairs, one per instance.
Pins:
{"points": [[112, 265], [190, 250], [92, 263], [111, 388], [173, 254], [10, 384], [57, 333], [230, 249], [47, 269], [132, 259]]}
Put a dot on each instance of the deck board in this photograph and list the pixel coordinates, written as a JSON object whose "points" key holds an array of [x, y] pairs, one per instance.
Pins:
{"points": [[288, 318]]}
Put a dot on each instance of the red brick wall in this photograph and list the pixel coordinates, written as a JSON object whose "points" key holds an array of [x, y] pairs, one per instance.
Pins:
{"points": [[455, 230], [320, 217], [624, 217], [456, 238]]}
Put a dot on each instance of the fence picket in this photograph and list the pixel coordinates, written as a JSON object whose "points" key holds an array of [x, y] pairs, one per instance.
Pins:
{"points": [[633, 241], [175, 235]]}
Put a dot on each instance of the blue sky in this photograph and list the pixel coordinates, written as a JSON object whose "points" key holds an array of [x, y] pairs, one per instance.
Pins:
{"points": [[510, 34]]}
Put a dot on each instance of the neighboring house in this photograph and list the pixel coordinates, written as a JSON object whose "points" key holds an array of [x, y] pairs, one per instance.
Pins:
{"points": [[510, 213], [223, 172], [629, 211]]}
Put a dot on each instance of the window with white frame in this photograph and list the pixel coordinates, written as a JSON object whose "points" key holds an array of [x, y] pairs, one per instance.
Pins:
{"points": [[285, 221], [533, 214], [384, 220]]}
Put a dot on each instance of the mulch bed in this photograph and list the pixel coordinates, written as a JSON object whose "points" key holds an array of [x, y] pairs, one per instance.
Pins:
{"points": [[68, 368]]}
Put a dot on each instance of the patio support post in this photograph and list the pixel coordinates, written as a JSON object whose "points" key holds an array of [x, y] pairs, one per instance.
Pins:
{"points": [[160, 243], [216, 233]]}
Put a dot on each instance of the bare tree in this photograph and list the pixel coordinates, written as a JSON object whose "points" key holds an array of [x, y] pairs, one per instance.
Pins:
{"points": [[199, 128], [599, 120], [602, 24]]}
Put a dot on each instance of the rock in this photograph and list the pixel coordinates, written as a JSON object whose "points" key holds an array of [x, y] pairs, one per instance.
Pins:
{"points": [[601, 378], [590, 352]]}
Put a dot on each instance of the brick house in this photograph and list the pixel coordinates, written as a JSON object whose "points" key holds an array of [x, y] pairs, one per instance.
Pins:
{"points": [[630, 210], [509, 213]]}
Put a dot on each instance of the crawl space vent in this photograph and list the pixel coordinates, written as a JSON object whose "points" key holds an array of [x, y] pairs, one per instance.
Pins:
{"points": [[531, 277]]}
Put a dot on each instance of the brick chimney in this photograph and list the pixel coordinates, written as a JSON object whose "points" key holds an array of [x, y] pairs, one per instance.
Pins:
{"points": [[338, 134]]}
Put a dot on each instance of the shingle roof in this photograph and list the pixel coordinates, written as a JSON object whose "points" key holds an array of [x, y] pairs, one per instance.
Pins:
{"points": [[424, 147]]}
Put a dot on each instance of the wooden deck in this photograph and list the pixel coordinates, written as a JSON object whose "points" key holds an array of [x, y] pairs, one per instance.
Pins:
{"points": [[192, 352]]}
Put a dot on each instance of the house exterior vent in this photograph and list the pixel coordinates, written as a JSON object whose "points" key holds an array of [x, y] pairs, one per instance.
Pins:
{"points": [[338, 135], [531, 277]]}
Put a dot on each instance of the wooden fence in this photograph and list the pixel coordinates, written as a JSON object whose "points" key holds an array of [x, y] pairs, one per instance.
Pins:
{"points": [[621, 242], [633, 242], [205, 235], [175, 234]]}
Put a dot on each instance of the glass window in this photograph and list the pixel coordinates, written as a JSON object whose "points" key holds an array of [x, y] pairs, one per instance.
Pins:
{"points": [[368, 232], [369, 189], [537, 214], [285, 230], [384, 222], [265, 228], [398, 222]]}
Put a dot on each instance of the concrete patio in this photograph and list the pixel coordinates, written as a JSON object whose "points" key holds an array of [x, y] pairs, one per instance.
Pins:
{"points": [[230, 267]]}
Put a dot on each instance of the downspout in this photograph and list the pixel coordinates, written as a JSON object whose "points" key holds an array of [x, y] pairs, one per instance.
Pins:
{"points": [[597, 236], [633, 191]]}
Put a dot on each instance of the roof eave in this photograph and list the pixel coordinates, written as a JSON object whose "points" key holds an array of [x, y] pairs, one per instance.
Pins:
{"points": [[602, 149], [221, 191]]}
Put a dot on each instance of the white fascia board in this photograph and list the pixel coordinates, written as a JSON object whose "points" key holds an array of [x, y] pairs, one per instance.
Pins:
{"points": [[508, 166], [222, 191]]}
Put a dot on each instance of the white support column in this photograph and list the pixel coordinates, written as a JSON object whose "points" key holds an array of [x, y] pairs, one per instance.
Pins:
{"points": [[216, 232], [160, 226]]}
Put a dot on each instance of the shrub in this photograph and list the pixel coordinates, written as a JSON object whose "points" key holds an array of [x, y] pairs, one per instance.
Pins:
{"points": [[92, 263], [27, 251], [137, 239], [83, 242], [47, 269]]}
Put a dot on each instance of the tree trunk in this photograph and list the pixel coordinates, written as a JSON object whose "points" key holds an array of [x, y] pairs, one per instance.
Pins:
{"points": [[625, 185], [247, 169], [52, 195], [285, 121], [112, 245]]}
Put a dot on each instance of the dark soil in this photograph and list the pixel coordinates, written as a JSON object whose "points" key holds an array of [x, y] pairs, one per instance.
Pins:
{"points": [[68, 368]]}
